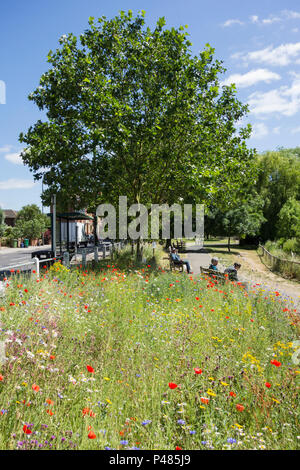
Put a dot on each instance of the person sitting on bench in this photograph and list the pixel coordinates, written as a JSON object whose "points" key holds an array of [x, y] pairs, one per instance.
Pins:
{"points": [[232, 271], [176, 258], [213, 264]]}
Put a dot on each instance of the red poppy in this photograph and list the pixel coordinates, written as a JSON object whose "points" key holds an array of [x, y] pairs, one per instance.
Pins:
{"points": [[178, 448], [276, 363], [240, 407], [52, 357], [197, 370], [267, 384], [1, 377], [87, 411], [35, 387], [92, 435], [90, 369], [26, 430], [205, 400], [232, 394], [50, 412], [172, 385]]}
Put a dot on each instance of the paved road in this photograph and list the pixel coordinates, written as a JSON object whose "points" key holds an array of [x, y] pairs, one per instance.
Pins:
{"points": [[198, 256], [13, 256]]}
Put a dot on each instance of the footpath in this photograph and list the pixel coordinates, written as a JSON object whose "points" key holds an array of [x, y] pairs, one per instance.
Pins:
{"points": [[252, 271]]}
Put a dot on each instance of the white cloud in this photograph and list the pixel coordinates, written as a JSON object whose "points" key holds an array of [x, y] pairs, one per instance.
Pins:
{"points": [[252, 77], [16, 184], [276, 130], [284, 100], [291, 15], [281, 17], [14, 158], [276, 56], [6, 148], [259, 130], [231, 22], [271, 20]]}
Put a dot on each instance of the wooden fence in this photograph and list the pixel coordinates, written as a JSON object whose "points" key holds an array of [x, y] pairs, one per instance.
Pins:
{"points": [[284, 266]]}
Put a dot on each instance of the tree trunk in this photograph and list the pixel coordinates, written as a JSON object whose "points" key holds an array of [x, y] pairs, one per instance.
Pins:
{"points": [[168, 242], [229, 243], [138, 249], [95, 230]]}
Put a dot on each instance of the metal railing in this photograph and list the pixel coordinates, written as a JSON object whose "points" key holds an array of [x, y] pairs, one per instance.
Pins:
{"points": [[105, 248], [35, 263]]}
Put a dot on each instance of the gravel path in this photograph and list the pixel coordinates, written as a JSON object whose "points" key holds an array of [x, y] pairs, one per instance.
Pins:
{"points": [[254, 272]]}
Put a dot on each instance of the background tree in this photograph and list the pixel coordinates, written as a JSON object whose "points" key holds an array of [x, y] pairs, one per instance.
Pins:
{"points": [[131, 112], [2, 224], [288, 225], [30, 222], [245, 219], [278, 180]]}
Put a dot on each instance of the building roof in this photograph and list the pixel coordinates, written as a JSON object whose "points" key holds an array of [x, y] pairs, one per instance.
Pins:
{"points": [[73, 216], [10, 214]]}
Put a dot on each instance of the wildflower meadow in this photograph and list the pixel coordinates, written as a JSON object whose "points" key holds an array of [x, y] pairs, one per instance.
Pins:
{"points": [[136, 357]]}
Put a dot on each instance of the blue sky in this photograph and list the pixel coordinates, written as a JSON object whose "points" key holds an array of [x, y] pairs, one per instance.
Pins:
{"points": [[259, 43]]}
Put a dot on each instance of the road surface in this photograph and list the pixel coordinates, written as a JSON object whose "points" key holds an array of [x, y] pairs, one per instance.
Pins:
{"points": [[13, 256]]}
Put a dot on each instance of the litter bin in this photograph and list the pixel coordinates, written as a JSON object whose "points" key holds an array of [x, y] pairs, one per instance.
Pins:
{"points": [[26, 242], [15, 243]]}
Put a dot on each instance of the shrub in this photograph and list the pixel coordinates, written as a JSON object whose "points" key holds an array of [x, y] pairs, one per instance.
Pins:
{"points": [[291, 245]]}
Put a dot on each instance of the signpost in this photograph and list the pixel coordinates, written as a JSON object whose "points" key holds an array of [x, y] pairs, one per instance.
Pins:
{"points": [[53, 225]]}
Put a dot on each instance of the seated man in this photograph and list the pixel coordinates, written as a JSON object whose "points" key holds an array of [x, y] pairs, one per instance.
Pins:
{"points": [[213, 264], [176, 258], [232, 271]]}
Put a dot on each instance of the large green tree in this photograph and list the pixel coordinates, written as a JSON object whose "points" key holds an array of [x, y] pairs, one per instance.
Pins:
{"points": [[130, 111], [288, 225], [241, 220], [278, 180], [30, 222]]}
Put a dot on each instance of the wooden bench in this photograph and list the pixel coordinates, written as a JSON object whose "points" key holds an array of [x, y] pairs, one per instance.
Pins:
{"points": [[222, 277], [180, 246], [174, 265], [214, 274]]}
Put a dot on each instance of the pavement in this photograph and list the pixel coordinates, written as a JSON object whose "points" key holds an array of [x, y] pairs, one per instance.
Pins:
{"points": [[198, 256]]}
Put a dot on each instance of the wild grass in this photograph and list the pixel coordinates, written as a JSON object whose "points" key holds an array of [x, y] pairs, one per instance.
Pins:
{"points": [[135, 357]]}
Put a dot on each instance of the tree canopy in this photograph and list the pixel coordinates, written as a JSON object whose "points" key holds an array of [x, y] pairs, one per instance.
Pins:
{"points": [[130, 111], [278, 181], [30, 222]]}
